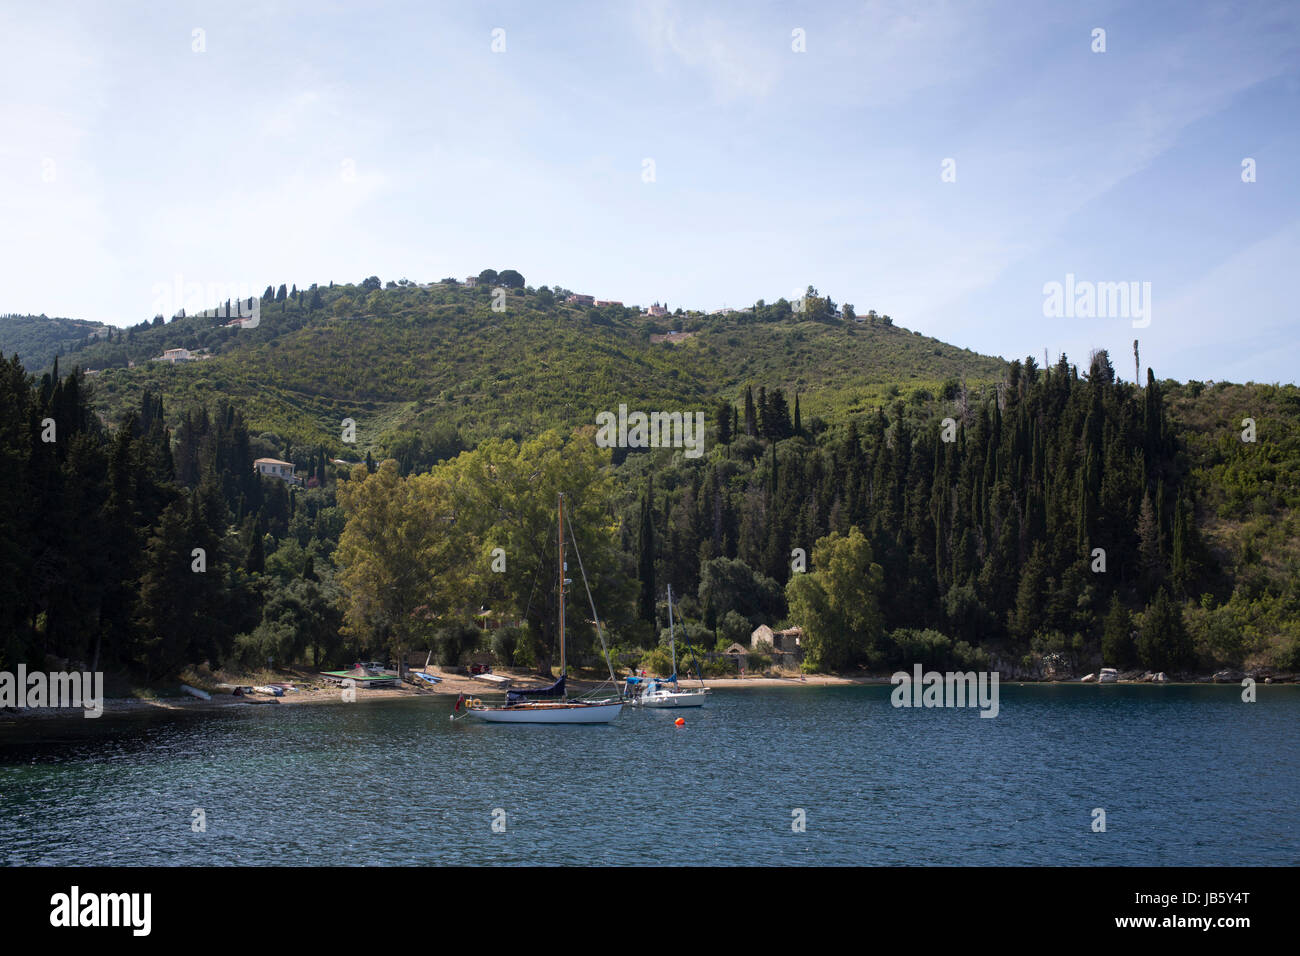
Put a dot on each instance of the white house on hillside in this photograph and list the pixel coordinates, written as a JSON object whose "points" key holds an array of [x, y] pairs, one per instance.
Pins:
{"points": [[275, 468]]}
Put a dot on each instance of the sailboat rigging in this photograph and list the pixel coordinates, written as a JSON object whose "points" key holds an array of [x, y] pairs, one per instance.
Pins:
{"points": [[656, 692], [552, 705]]}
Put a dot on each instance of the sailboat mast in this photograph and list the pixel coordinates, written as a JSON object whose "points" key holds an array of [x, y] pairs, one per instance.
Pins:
{"points": [[672, 632], [560, 552]]}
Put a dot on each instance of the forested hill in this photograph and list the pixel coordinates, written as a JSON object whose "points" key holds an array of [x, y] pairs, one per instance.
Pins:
{"points": [[953, 510], [438, 359], [38, 339]]}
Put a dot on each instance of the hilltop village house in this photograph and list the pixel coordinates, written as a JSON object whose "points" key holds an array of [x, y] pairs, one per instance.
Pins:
{"points": [[175, 355], [275, 468]]}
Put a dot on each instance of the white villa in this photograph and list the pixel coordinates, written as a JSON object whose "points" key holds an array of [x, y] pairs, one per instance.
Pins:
{"points": [[175, 355], [275, 468]]}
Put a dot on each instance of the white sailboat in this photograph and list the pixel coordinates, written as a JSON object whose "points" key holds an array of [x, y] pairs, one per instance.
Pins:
{"points": [[552, 705], [663, 692]]}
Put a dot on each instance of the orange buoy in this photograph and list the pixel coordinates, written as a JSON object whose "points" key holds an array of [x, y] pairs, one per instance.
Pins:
{"points": [[680, 721]]}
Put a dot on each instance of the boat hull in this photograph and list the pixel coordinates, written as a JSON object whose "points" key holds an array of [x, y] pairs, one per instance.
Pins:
{"points": [[671, 701], [549, 714]]}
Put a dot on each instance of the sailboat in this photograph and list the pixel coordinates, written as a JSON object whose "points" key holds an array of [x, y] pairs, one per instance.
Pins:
{"points": [[657, 692], [552, 705]]}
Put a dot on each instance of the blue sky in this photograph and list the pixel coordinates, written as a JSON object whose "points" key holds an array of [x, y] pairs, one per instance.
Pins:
{"points": [[321, 141]]}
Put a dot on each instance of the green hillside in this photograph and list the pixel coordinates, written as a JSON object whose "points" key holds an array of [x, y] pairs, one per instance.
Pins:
{"points": [[411, 358], [38, 338], [1045, 521]]}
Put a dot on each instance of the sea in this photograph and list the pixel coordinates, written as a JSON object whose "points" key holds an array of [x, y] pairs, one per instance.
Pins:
{"points": [[1065, 774]]}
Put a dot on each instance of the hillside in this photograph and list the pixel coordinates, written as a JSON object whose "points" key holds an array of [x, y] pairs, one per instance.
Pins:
{"points": [[415, 359], [978, 549], [38, 338]]}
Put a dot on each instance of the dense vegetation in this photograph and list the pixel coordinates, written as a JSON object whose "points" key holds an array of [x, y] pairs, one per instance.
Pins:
{"points": [[1039, 520], [439, 363], [38, 340]]}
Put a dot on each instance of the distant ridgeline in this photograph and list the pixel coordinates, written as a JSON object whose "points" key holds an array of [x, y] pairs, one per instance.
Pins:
{"points": [[949, 508], [406, 358], [37, 339]]}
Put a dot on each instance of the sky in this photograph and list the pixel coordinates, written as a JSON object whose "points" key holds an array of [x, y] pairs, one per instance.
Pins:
{"points": [[940, 162]]}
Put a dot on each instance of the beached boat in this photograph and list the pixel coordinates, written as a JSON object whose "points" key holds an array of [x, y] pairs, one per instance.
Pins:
{"points": [[664, 692], [361, 678], [551, 704]]}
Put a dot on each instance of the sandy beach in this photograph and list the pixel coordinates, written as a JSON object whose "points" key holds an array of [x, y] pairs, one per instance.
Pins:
{"points": [[312, 688], [315, 689]]}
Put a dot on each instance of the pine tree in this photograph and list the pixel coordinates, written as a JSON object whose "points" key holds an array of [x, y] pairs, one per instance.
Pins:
{"points": [[798, 421], [1163, 641], [1117, 647], [167, 595], [778, 416], [751, 417]]}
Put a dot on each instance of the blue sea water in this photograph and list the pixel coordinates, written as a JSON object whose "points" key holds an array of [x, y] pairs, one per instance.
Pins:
{"points": [[1186, 775]]}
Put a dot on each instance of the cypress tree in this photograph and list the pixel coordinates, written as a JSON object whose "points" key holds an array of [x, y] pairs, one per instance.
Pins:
{"points": [[646, 557], [255, 562], [1150, 560], [723, 420]]}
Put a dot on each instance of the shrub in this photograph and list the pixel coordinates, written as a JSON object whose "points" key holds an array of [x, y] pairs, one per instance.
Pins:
{"points": [[926, 647], [719, 667], [656, 661], [734, 628], [454, 641], [504, 642]]}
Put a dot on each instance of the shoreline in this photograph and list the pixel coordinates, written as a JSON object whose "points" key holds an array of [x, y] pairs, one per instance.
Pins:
{"points": [[453, 685]]}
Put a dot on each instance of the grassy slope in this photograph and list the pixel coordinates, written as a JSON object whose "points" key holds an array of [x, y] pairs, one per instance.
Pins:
{"points": [[411, 358]]}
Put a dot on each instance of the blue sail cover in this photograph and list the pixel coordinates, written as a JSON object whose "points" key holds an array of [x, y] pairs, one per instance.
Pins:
{"points": [[518, 696]]}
